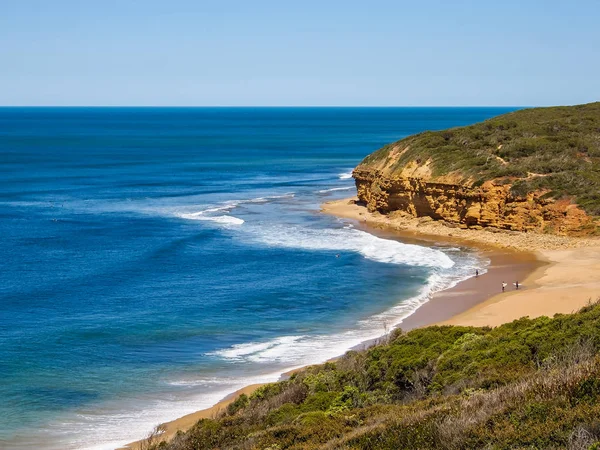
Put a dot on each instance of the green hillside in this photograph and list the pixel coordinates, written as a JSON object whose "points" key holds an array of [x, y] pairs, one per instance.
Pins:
{"points": [[556, 150], [529, 384]]}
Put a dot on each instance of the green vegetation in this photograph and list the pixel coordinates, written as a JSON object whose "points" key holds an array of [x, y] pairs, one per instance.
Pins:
{"points": [[531, 384], [551, 149]]}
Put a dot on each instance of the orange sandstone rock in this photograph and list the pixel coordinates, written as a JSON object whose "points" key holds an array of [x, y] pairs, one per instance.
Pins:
{"points": [[489, 205]]}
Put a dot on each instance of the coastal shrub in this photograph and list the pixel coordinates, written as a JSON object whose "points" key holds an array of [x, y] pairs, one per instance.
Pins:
{"points": [[320, 401], [531, 383], [284, 414], [324, 379], [267, 391], [349, 398], [239, 403]]}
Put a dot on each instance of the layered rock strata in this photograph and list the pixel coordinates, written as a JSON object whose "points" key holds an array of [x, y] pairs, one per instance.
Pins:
{"points": [[488, 205]]}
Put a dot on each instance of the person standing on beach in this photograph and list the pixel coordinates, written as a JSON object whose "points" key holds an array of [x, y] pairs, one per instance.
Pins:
{"points": [[503, 286], [517, 284], [476, 273]]}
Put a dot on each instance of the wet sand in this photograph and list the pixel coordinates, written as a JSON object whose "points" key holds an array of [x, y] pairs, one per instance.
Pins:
{"points": [[569, 280], [504, 266]]}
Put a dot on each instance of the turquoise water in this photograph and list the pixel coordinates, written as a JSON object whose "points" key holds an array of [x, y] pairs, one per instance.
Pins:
{"points": [[153, 260]]}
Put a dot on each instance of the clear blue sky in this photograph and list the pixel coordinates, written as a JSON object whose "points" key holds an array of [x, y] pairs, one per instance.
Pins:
{"points": [[263, 52]]}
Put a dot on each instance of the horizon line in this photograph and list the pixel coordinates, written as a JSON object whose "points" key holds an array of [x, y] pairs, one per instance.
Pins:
{"points": [[278, 106]]}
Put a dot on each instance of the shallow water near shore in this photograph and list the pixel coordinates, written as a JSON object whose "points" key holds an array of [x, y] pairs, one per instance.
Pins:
{"points": [[154, 260]]}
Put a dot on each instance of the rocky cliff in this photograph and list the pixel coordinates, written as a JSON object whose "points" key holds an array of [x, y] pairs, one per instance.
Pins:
{"points": [[490, 205], [532, 170]]}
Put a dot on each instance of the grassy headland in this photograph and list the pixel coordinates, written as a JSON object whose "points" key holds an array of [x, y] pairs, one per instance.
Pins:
{"points": [[526, 384], [555, 150]]}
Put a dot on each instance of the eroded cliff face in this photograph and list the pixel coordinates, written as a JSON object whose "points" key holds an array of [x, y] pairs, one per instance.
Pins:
{"points": [[489, 205]]}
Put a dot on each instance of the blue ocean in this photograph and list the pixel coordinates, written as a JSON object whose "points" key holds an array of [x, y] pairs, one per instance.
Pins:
{"points": [[154, 260]]}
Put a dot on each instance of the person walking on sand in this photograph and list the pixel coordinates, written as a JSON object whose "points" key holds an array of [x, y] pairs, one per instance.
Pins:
{"points": [[476, 273], [503, 286], [517, 284]]}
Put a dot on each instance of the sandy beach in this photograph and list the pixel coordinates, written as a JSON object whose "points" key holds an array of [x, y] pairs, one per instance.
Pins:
{"points": [[566, 275], [556, 275], [569, 281]]}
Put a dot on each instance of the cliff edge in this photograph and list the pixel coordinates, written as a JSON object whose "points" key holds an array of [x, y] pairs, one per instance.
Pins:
{"points": [[534, 169]]}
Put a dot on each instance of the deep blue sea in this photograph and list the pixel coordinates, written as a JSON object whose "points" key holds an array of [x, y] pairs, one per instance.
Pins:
{"points": [[153, 260]]}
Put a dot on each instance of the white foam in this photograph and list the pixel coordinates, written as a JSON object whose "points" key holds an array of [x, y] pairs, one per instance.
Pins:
{"points": [[265, 199], [345, 175], [203, 381], [89, 428], [347, 188], [348, 239], [226, 220], [226, 207], [257, 349], [207, 213]]}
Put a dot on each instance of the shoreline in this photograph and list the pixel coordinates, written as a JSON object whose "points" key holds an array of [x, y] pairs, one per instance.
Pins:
{"points": [[568, 281], [474, 301], [170, 429], [565, 278]]}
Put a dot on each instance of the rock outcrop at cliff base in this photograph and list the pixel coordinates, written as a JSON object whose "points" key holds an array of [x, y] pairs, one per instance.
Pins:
{"points": [[514, 172]]}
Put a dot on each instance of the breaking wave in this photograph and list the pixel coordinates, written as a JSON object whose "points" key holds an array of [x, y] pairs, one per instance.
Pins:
{"points": [[324, 191], [208, 214], [225, 220], [350, 239]]}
